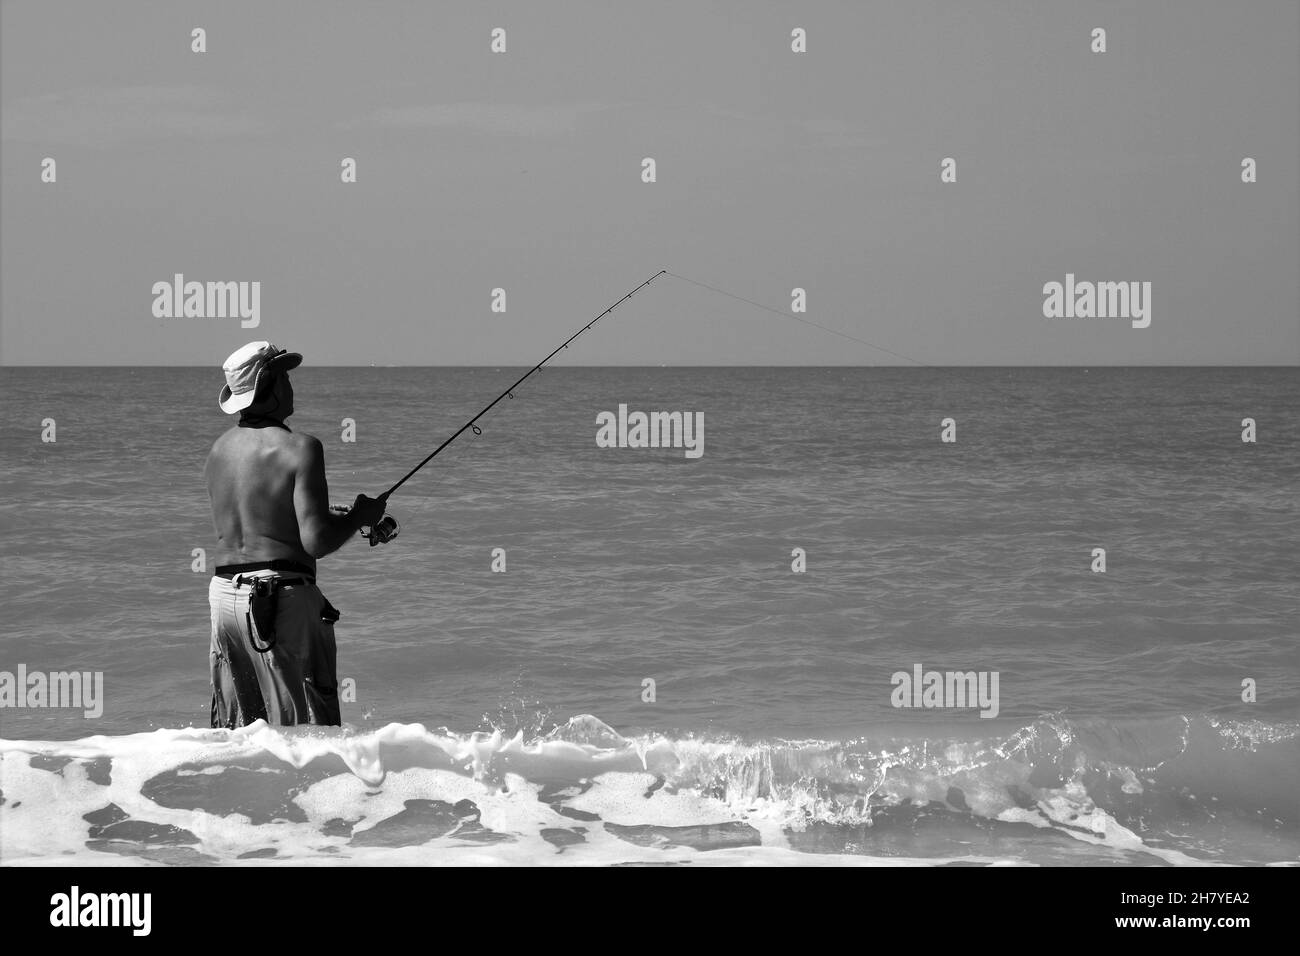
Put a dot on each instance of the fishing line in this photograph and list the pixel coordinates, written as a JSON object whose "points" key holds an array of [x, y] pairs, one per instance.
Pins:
{"points": [[818, 325], [843, 335], [791, 315]]}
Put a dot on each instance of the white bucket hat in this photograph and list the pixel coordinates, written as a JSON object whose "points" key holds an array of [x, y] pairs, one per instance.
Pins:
{"points": [[243, 369]]}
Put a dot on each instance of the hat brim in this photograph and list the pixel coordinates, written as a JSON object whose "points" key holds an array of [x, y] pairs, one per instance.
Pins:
{"points": [[231, 403], [284, 362]]}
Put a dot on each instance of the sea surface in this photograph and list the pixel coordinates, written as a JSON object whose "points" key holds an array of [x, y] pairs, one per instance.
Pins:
{"points": [[506, 717]]}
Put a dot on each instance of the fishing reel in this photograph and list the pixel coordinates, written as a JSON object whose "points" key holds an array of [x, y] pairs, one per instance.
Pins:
{"points": [[382, 532]]}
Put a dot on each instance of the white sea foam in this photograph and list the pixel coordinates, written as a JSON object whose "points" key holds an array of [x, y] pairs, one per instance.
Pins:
{"points": [[581, 794]]}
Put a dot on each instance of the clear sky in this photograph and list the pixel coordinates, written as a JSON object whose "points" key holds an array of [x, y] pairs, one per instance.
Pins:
{"points": [[775, 170]]}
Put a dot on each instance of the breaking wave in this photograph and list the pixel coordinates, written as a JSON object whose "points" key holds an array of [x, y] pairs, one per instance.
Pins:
{"points": [[1183, 790]]}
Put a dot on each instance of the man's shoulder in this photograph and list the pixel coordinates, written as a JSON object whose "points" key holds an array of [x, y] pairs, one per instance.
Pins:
{"points": [[306, 448], [222, 440]]}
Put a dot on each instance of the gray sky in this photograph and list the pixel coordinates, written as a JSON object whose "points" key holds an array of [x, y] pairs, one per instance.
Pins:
{"points": [[775, 170]]}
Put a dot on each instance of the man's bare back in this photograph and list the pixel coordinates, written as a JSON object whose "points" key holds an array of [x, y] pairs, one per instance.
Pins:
{"points": [[252, 476]]}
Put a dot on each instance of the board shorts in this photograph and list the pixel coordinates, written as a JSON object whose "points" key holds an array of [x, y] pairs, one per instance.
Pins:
{"points": [[277, 665]]}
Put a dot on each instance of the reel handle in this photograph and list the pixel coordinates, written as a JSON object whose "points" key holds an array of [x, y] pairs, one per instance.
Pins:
{"points": [[382, 532]]}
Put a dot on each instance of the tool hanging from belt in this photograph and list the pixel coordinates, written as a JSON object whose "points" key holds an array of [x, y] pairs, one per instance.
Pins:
{"points": [[263, 602]]}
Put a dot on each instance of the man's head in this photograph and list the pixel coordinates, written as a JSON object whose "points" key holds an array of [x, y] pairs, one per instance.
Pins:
{"points": [[257, 382], [274, 397]]}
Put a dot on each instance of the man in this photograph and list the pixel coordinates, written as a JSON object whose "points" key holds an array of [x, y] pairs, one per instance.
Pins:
{"points": [[272, 654]]}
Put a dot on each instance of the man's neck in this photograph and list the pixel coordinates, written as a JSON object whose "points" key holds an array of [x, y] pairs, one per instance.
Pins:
{"points": [[261, 421]]}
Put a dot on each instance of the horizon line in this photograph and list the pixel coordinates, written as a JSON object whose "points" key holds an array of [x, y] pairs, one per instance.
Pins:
{"points": [[916, 366]]}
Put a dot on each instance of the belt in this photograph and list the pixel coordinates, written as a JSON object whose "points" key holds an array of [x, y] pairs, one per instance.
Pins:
{"points": [[308, 576], [279, 581]]}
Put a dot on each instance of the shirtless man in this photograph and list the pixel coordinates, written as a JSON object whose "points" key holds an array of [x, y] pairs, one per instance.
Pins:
{"points": [[272, 655]]}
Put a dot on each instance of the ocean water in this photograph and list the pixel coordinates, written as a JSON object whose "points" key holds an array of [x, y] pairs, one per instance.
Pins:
{"points": [[500, 717]]}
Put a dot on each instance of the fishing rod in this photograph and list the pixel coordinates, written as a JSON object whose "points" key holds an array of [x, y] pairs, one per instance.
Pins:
{"points": [[509, 392]]}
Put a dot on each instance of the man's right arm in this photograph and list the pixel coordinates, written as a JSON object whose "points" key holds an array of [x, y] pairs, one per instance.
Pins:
{"points": [[323, 531]]}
